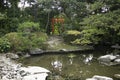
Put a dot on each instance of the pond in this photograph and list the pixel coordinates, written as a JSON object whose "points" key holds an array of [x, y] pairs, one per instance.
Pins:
{"points": [[73, 66]]}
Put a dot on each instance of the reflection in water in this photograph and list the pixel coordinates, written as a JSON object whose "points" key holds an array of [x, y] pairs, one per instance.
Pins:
{"points": [[57, 65], [71, 56], [88, 59], [73, 66], [71, 61]]}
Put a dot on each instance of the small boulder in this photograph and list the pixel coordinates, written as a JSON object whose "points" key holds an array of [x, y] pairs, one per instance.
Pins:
{"points": [[116, 46], [63, 50], [97, 77], [36, 77], [102, 77], [36, 51], [110, 59], [26, 55], [117, 61], [117, 76], [34, 73], [34, 70], [107, 58], [90, 79], [12, 56]]}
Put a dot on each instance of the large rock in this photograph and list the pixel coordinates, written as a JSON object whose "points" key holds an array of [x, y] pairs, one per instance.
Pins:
{"points": [[34, 70], [90, 79], [107, 58], [102, 77], [117, 61], [110, 59], [34, 73], [117, 76], [36, 77], [96, 77]]}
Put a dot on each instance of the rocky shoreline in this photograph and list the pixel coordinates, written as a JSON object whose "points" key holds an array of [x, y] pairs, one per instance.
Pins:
{"points": [[8, 69], [11, 70]]}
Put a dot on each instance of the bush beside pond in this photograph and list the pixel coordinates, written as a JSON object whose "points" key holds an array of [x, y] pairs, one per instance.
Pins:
{"points": [[28, 27], [24, 42], [76, 37], [5, 45], [71, 35], [28, 36]]}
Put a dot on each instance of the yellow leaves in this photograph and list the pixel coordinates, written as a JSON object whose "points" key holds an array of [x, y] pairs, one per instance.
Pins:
{"points": [[81, 41], [73, 32]]}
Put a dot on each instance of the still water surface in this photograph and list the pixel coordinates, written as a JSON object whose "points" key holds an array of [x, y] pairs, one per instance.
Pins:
{"points": [[77, 66]]}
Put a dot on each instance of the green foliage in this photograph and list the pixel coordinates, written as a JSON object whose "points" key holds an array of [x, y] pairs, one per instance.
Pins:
{"points": [[88, 36], [94, 28], [4, 45], [73, 32], [21, 42], [2, 16], [15, 39], [28, 27], [97, 5], [8, 25], [102, 27], [81, 41], [56, 30], [71, 35], [38, 40], [114, 5]]}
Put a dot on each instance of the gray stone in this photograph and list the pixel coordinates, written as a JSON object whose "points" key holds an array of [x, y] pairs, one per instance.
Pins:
{"points": [[63, 50], [26, 55], [12, 56], [117, 76], [36, 77], [116, 46], [34, 73], [117, 61], [34, 70], [90, 79], [97, 77], [36, 51], [107, 58], [102, 77], [110, 59], [10, 70]]}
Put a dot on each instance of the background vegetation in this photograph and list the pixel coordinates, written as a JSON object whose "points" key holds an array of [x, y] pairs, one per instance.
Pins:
{"points": [[96, 21]]}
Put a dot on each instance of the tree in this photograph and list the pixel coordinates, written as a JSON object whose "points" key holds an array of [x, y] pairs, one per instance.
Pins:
{"points": [[103, 26], [102, 23]]}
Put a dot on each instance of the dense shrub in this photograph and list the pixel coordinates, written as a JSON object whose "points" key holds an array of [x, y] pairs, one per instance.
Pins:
{"points": [[28, 27], [38, 39], [8, 25], [4, 45], [88, 36], [102, 28], [91, 36], [81, 41], [71, 35], [15, 39], [21, 42]]}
